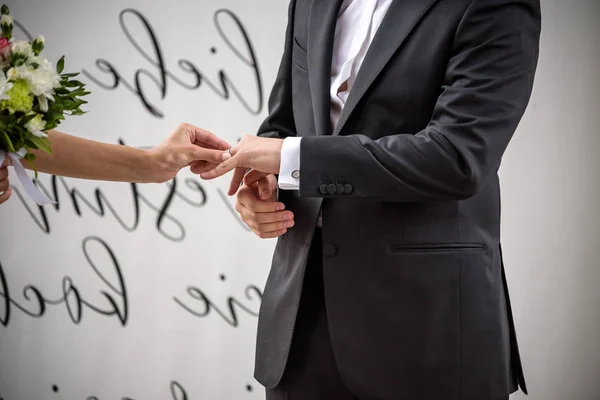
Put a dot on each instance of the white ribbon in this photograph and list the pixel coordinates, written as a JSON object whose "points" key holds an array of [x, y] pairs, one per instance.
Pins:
{"points": [[32, 191]]}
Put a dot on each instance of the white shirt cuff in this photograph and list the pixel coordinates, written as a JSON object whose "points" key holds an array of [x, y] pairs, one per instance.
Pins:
{"points": [[289, 170]]}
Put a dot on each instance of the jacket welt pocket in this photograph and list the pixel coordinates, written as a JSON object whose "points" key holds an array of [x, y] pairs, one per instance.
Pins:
{"points": [[436, 247]]}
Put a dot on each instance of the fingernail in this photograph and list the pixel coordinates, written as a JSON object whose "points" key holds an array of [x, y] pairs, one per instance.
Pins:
{"points": [[288, 216], [280, 207], [289, 224], [264, 194], [225, 156]]}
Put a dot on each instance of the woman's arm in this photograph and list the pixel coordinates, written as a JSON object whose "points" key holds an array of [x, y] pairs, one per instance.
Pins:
{"points": [[87, 159]]}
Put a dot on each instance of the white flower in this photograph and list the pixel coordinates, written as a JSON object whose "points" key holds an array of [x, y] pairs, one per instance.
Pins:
{"points": [[16, 73], [36, 126], [43, 100], [5, 86], [6, 20], [40, 39], [12, 74], [22, 47], [43, 80]]}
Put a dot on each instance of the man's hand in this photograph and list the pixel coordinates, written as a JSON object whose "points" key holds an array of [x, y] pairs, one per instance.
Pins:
{"points": [[259, 209], [187, 146], [262, 154], [5, 190]]}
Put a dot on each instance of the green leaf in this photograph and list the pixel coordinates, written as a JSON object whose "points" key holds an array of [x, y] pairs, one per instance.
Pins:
{"points": [[61, 90], [29, 157], [6, 143], [78, 111], [77, 92], [40, 143], [74, 84], [70, 75], [60, 66], [25, 119]]}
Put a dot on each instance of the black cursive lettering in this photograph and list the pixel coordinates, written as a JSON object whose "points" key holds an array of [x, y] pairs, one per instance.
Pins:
{"points": [[160, 76], [115, 293], [204, 305], [24, 31]]}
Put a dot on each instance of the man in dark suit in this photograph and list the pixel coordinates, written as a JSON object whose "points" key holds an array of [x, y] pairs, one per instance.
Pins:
{"points": [[388, 121]]}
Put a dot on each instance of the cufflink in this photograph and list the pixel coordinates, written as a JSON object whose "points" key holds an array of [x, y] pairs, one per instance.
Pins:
{"points": [[296, 174]]}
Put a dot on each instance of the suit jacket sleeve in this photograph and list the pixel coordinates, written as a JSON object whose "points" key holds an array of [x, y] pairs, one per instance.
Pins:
{"points": [[487, 87], [279, 123]]}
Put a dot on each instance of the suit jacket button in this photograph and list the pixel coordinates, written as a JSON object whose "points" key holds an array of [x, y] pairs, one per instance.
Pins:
{"points": [[329, 250], [340, 189], [323, 189], [331, 188], [348, 188]]}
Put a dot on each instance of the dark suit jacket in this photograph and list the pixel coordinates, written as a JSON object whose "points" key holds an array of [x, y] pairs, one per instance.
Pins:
{"points": [[407, 182]]}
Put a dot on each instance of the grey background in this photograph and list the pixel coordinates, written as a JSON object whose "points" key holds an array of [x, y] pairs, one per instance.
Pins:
{"points": [[551, 220]]}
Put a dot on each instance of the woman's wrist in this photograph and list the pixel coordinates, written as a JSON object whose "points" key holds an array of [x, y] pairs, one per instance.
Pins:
{"points": [[150, 169]]}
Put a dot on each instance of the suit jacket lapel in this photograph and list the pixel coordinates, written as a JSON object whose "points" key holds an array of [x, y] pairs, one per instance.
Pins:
{"points": [[323, 18], [400, 20]]}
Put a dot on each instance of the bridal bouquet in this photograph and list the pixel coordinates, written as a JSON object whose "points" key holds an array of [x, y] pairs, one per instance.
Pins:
{"points": [[35, 96]]}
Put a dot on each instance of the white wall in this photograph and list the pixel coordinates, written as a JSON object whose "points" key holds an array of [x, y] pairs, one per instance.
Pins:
{"points": [[551, 219]]}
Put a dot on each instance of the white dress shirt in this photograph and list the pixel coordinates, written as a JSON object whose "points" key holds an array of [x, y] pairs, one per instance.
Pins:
{"points": [[357, 23]]}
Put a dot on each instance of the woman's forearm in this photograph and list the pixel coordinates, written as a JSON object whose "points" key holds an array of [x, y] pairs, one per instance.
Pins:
{"points": [[87, 159]]}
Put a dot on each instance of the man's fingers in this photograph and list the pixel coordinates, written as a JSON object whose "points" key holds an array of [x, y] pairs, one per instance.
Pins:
{"points": [[5, 196], [3, 174], [222, 169], [267, 219], [260, 206], [258, 218], [254, 176], [264, 234], [236, 180], [6, 162], [265, 190], [4, 185]]}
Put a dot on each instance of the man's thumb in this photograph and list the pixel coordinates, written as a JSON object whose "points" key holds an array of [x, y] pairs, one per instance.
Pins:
{"points": [[264, 189]]}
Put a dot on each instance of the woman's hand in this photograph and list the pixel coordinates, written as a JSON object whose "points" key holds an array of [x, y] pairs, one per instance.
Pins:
{"points": [[187, 145], [5, 190]]}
